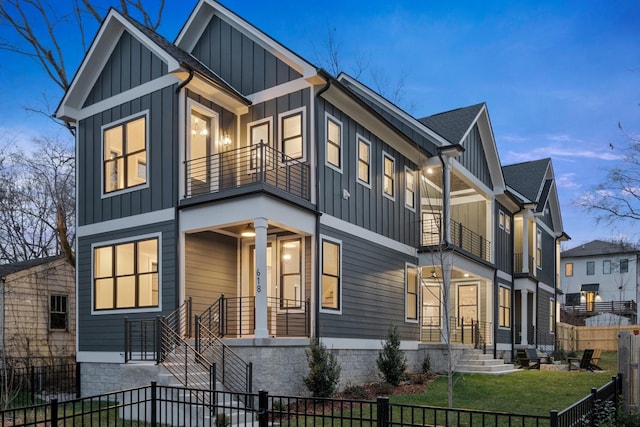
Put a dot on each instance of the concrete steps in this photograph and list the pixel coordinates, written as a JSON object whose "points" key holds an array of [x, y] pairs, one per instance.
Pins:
{"points": [[473, 361]]}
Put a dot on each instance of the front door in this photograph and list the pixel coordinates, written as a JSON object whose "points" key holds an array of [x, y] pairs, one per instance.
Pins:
{"points": [[201, 158]]}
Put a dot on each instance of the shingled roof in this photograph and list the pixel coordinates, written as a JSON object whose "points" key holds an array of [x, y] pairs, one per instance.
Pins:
{"points": [[16, 267], [453, 125], [600, 247], [528, 179]]}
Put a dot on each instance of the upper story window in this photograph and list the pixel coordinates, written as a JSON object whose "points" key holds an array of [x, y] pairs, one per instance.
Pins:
{"points": [[291, 134], [539, 248], [59, 312], [606, 266], [388, 168], [331, 270], [125, 154], [125, 275], [501, 220], [364, 161], [591, 268], [260, 132], [334, 143], [507, 223], [568, 269], [624, 266], [411, 288], [410, 189]]}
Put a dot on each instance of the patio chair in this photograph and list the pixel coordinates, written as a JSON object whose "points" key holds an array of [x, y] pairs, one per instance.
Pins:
{"points": [[583, 363], [528, 358]]}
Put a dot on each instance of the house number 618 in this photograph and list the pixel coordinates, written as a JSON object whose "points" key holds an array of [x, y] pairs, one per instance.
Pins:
{"points": [[258, 287]]}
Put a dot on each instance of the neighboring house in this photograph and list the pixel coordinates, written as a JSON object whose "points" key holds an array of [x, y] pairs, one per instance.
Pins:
{"points": [[285, 204], [38, 310], [600, 277]]}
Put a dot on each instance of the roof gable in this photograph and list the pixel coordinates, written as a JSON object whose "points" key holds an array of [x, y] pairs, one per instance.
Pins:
{"points": [[455, 124], [527, 178], [600, 247], [16, 267]]}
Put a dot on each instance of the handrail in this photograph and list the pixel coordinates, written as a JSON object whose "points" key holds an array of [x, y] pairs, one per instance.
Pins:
{"points": [[461, 236], [463, 331], [180, 320]]}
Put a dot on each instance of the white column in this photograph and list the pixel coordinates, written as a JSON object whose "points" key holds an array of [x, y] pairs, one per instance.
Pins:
{"points": [[260, 226], [525, 242], [446, 200], [524, 327], [447, 266]]}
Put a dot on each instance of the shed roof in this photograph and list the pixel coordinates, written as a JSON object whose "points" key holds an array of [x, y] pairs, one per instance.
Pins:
{"points": [[15, 267]]}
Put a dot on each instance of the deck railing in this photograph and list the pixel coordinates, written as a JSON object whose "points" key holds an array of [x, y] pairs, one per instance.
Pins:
{"points": [[461, 236], [461, 331], [244, 166]]}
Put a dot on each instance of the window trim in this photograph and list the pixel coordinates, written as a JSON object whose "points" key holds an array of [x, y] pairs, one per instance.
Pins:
{"points": [[328, 117], [407, 267], [66, 312], [502, 308], [279, 242], [392, 196], [593, 270], [131, 239], [507, 223], [269, 121], [539, 249], [606, 266], [337, 242], [552, 316], [565, 269], [359, 139], [302, 111], [624, 261], [130, 118], [407, 172], [214, 124]]}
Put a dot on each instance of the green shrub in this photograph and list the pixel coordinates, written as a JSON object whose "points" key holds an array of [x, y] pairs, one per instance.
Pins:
{"points": [[356, 392], [222, 420], [426, 365], [391, 360], [324, 371]]}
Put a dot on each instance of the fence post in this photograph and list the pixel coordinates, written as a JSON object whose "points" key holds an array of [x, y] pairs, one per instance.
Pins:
{"points": [[126, 339], [553, 418], [249, 377], [189, 316], [594, 403], [212, 376], [158, 340], [382, 404], [54, 412], [33, 384], [78, 392], [197, 337], [221, 317], [263, 408], [154, 403]]}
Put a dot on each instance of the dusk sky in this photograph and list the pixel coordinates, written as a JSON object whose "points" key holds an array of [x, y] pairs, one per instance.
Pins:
{"points": [[557, 77]]}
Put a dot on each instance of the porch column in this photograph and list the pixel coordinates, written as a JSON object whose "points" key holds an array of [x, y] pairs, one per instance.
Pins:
{"points": [[447, 266], [446, 200], [525, 242], [524, 317], [260, 226]]}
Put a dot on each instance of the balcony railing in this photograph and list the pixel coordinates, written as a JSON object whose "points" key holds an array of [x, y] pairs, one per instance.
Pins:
{"points": [[245, 166], [519, 263], [461, 331], [461, 236]]}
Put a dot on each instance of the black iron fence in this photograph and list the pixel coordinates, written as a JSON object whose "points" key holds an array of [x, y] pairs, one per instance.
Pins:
{"points": [[27, 385], [161, 405]]}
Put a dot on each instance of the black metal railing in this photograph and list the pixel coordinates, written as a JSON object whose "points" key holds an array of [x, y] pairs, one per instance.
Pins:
{"points": [[235, 317], [141, 340], [244, 166], [461, 236], [162, 405], [461, 331], [24, 385], [519, 263]]}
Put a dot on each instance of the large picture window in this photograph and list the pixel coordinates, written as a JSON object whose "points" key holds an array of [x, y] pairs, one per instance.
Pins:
{"points": [[331, 275], [504, 297], [125, 275], [125, 155], [411, 275]]}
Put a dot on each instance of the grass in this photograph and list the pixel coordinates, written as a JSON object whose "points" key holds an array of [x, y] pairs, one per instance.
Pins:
{"points": [[526, 392]]}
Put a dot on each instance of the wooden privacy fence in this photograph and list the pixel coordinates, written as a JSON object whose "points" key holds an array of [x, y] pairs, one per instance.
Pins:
{"points": [[578, 338]]}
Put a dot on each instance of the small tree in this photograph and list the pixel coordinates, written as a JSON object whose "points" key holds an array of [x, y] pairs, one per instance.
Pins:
{"points": [[324, 371], [391, 360]]}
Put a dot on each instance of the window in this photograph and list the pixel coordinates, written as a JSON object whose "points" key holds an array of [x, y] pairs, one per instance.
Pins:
{"points": [[411, 277], [431, 306], [334, 143], [291, 135], [591, 268], [507, 223], [260, 133], [539, 248], [291, 273], [125, 154], [568, 269], [606, 266], [501, 220], [201, 166], [624, 266], [364, 161], [504, 297], [409, 192], [331, 275], [552, 316], [468, 303], [126, 275], [388, 167], [59, 312]]}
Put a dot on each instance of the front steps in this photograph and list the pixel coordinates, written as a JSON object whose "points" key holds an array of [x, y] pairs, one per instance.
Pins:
{"points": [[474, 361]]}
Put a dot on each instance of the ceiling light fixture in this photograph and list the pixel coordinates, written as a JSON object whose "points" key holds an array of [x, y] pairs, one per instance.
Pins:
{"points": [[248, 231]]}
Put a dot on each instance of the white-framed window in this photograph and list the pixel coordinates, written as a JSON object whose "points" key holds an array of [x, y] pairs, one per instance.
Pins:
{"points": [[504, 300], [59, 313], [431, 305], [388, 176], [539, 249], [291, 127], [124, 154], [334, 143], [202, 165], [364, 161], [568, 269], [331, 273], [291, 289], [409, 189], [606, 266], [591, 268], [411, 292], [260, 132], [552, 316], [624, 265], [501, 220], [126, 274], [507, 223]]}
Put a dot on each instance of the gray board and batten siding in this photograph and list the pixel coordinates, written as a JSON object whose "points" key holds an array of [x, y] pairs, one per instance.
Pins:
{"points": [[365, 207], [474, 159], [105, 332], [503, 334], [373, 291], [161, 189], [130, 64], [504, 241], [238, 60]]}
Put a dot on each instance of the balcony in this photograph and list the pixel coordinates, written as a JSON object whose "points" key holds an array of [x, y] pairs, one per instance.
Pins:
{"points": [[575, 314], [461, 236], [519, 263], [256, 166]]}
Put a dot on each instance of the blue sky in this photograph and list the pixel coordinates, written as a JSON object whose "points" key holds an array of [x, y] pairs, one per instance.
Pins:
{"points": [[557, 76]]}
